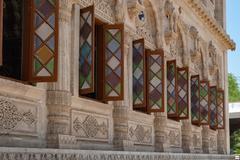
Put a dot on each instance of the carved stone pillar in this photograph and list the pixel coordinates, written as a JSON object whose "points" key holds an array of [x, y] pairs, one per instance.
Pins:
{"points": [[187, 144], [58, 93], [221, 142], [160, 126], [121, 108], [205, 139], [160, 122], [187, 136]]}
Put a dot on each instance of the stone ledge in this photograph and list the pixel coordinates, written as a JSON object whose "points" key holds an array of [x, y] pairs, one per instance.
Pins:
{"points": [[60, 154]]}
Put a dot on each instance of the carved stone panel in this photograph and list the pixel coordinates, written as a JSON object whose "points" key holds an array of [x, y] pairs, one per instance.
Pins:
{"points": [[197, 140], [18, 117], [140, 134], [89, 126], [104, 8], [174, 135]]}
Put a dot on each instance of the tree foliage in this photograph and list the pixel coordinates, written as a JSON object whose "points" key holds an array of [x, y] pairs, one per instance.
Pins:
{"points": [[233, 88], [235, 142]]}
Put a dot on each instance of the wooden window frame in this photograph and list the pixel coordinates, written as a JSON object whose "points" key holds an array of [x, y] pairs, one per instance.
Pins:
{"points": [[179, 70], [208, 122], [30, 48], [221, 91], [161, 53], [28, 33], [121, 96], [173, 116], [209, 113], [92, 88], [141, 106], [199, 114]]}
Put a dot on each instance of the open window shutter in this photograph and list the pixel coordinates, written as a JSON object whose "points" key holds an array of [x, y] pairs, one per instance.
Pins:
{"points": [[113, 62], [155, 81], [195, 99], [86, 57], [43, 49], [204, 103], [139, 76], [220, 110], [213, 107], [1, 31], [182, 93], [172, 107]]}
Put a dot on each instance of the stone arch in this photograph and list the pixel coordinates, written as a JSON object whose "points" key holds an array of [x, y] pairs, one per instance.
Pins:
{"points": [[183, 32]]}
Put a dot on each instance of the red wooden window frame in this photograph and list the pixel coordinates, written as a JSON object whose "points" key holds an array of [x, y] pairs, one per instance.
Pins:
{"points": [[160, 53], [91, 88], [210, 97], [208, 121], [220, 91], [187, 70], [174, 115], [29, 51], [143, 105], [197, 122], [120, 27]]}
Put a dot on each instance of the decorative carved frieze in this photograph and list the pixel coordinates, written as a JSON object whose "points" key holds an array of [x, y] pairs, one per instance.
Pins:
{"points": [[140, 134], [104, 8], [15, 118], [52, 154], [91, 127]]}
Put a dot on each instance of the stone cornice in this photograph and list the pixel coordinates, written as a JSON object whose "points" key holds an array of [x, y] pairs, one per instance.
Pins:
{"points": [[212, 23]]}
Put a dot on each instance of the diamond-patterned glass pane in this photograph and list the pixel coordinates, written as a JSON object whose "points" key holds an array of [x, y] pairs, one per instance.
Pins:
{"points": [[195, 100], [155, 87], [139, 83], [45, 35], [113, 62], [182, 93], [171, 89], [86, 57], [204, 90], [213, 107], [220, 110]]}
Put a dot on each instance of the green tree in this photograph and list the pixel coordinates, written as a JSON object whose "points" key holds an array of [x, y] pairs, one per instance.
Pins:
{"points": [[235, 142], [233, 88]]}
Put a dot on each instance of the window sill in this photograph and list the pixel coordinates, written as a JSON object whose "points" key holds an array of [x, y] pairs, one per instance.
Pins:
{"points": [[19, 89], [89, 105]]}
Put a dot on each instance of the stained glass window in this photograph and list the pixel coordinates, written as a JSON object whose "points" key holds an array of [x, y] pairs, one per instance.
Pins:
{"points": [[172, 108], [139, 76], [45, 39], [86, 58], [220, 110], [182, 93], [195, 100], [155, 74], [213, 107], [204, 102], [113, 62]]}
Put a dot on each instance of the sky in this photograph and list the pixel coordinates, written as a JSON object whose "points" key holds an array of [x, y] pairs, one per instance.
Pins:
{"points": [[233, 29]]}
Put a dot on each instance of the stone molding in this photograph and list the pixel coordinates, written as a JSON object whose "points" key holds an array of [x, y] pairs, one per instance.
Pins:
{"points": [[60, 154], [211, 23]]}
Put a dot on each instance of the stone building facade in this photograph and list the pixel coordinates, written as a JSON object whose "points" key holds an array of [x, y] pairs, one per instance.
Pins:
{"points": [[122, 75]]}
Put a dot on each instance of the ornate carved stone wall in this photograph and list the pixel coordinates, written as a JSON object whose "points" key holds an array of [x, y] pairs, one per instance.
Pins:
{"points": [[53, 112]]}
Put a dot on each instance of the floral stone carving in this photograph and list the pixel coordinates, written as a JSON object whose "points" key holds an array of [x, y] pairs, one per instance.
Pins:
{"points": [[90, 127], [10, 116], [140, 134]]}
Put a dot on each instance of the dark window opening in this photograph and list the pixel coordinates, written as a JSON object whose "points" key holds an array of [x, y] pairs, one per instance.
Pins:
{"points": [[12, 39]]}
